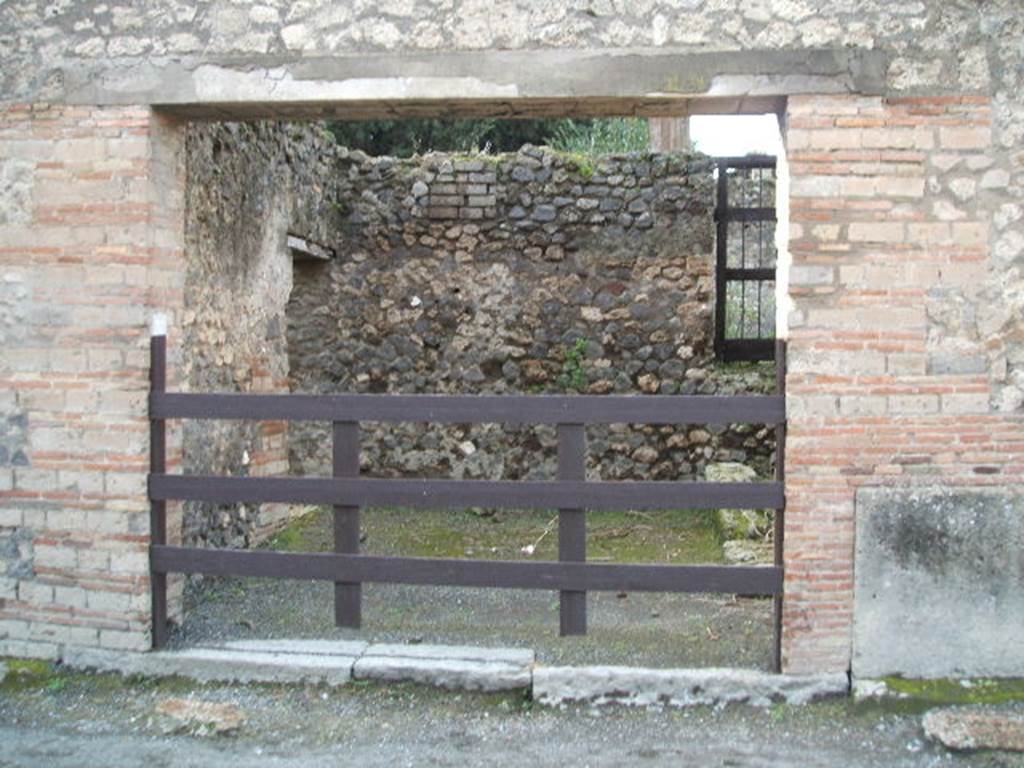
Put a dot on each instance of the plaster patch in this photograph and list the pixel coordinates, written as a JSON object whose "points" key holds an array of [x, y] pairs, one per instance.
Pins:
{"points": [[16, 184]]}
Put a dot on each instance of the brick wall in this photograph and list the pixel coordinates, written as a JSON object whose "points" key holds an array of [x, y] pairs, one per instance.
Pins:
{"points": [[90, 243], [888, 383]]}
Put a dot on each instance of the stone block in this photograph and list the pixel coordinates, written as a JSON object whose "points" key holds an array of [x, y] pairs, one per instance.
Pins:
{"points": [[876, 232], [899, 404], [937, 582], [965, 137], [453, 668], [352, 648], [35, 593], [218, 665], [966, 402], [811, 274], [739, 523], [679, 687]]}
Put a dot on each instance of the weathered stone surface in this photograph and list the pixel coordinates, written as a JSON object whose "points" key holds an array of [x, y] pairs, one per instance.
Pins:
{"points": [[678, 688], [451, 667], [740, 551], [249, 186], [970, 728], [452, 674], [219, 665], [739, 524], [517, 656], [353, 648], [323, 661], [201, 717], [929, 560]]}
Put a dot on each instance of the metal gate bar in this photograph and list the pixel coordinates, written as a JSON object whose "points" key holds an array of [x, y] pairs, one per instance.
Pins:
{"points": [[726, 211]]}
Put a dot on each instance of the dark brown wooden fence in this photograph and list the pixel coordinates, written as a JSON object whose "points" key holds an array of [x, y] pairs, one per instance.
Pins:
{"points": [[347, 492]]}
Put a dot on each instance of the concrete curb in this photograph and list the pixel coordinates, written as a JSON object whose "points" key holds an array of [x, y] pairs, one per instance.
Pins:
{"points": [[219, 665], [450, 667], [461, 668], [679, 687]]}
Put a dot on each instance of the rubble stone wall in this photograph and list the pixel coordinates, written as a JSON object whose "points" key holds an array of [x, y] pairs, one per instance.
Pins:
{"points": [[249, 185], [528, 272]]}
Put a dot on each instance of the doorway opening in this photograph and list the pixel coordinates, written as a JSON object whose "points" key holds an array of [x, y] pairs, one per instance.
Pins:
{"points": [[537, 271]]}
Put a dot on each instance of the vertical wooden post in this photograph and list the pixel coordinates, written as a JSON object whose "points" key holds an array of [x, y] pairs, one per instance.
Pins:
{"points": [[348, 596], [779, 529], [158, 466], [572, 527]]}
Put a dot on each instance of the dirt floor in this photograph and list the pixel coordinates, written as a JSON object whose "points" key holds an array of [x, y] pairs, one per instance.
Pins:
{"points": [[60, 719], [639, 629]]}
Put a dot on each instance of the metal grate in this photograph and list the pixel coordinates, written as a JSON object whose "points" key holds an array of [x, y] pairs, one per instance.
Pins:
{"points": [[746, 259]]}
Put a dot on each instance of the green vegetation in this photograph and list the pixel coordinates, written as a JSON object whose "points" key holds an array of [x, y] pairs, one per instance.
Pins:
{"points": [[51, 677], [957, 691], [404, 138], [602, 137], [574, 375], [623, 537]]}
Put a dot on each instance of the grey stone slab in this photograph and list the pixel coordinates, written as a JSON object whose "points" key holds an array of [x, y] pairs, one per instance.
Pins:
{"points": [[3, 671], [303, 647], [678, 687], [213, 87], [520, 656], [219, 665], [103, 660], [938, 574], [453, 674]]}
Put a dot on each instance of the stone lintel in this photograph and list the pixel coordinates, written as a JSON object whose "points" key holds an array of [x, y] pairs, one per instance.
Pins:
{"points": [[644, 82]]}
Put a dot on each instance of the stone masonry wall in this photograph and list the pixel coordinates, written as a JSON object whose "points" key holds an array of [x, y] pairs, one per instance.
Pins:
{"points": [[526, 272], [868, 408], [249, 185]]}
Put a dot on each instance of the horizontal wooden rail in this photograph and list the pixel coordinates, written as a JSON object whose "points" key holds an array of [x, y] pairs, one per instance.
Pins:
{"points": [[347, 492], [486, 409], [734, 579], [508, 494]]}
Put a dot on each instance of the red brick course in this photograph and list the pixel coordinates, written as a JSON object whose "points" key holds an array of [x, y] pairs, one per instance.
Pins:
{"points": [[97, 249], [864, 409]]}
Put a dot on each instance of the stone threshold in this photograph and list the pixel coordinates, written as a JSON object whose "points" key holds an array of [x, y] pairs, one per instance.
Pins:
{"points": [[461, 668]]}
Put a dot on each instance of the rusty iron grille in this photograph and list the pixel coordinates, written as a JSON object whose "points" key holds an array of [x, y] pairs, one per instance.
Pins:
{"points": [[570, 493], [745, 259]]}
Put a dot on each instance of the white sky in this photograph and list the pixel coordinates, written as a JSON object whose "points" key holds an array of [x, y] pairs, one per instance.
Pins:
{"points": [[729, 135]]}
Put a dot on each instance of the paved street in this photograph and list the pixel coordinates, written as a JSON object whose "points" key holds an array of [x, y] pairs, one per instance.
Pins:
{"points": [[71, 719]]}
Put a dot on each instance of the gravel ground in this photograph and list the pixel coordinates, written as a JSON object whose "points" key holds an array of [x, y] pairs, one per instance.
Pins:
{"points": [[638, 629], [652, 630], [72, 719]]}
